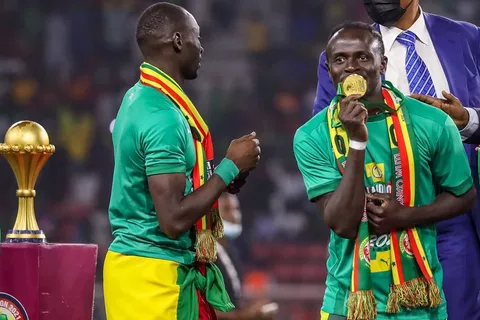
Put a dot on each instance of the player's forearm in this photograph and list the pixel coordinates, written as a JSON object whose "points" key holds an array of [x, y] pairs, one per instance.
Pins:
{"points": [[185, 213], [194, 206], [445, 206], [346, 204]]}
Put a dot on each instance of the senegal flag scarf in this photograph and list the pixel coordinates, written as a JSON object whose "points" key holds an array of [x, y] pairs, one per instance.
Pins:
{"points": [[413, 282], [210, 227]]}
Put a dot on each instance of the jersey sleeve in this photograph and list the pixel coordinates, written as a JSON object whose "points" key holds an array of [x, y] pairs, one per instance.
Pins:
{"points": [[450, 167], [164, 139], [319, 175]]}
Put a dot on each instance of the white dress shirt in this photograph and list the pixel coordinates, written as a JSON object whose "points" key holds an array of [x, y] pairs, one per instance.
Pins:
{"points": [[396, 71]]}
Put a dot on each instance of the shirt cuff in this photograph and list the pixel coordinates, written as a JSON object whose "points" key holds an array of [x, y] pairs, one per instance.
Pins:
{"points": [[471, 126]]}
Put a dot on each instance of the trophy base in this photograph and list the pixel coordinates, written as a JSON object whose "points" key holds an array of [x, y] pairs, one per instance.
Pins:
{"points": [[25, 236]]}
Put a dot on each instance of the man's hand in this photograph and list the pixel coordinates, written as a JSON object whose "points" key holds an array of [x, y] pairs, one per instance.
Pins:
{"points": [[385, 213], [354, 116], [238, 183], [245, 152], [450, 105]]}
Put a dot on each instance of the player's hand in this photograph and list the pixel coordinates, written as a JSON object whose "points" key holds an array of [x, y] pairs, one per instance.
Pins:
{"points": [[238, 183], [354, 116], [385, 213], [451, 105], [245, 152]]}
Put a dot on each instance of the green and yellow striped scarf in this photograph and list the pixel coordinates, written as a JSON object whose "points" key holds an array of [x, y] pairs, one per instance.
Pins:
{"points": [[413, 282]]}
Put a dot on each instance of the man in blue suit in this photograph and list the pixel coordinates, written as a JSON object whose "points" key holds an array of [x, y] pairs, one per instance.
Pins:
{"points": [[430, 55]]}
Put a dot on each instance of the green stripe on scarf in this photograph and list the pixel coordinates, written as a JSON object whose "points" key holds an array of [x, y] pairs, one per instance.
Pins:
{"points": [[414, 286]]}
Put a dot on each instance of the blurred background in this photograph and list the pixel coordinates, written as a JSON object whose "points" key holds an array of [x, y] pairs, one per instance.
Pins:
{"points": [[67, 64]]}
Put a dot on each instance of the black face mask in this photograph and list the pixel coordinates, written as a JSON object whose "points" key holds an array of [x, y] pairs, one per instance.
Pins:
{"points": [[385, 12]]}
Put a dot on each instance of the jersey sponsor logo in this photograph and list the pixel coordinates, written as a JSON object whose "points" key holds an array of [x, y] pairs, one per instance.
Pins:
{"points": [[379, 188], [380, 253], [375, 171], [11, 308]]}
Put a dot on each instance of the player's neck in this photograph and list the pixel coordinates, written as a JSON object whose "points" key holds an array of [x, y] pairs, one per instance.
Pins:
{"points": [[409, 18], [168, 68], [377, 97]]}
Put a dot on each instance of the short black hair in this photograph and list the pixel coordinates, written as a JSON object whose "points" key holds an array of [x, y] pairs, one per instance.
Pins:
{"points": [[359, 25], [158, 21]]}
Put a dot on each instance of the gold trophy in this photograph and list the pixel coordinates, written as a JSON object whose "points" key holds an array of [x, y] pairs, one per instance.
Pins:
{"points": [[27, 149], [354, 84]]}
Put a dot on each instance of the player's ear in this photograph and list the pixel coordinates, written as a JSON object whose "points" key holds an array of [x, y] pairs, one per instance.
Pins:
{"points": [[177, 41], [383, 65]]}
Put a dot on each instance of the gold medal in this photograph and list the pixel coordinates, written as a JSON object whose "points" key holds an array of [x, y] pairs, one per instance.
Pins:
{"points": [[354, 84]]}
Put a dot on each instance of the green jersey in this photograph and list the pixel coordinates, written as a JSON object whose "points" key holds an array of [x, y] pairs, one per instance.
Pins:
{"points": [[442, 165], [151, 136]]}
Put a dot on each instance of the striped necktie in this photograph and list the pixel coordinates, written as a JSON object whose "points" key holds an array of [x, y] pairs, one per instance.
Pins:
{"points": [[419, 79]]}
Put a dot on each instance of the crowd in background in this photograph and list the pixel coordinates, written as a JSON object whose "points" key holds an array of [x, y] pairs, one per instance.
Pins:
{"points": [[67, 64]]}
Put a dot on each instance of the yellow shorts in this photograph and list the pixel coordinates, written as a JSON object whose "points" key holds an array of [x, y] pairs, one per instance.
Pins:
{"points": [[140, 288]]}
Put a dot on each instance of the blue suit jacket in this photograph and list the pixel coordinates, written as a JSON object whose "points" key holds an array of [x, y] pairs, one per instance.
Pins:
{"points": [[458, 48]]}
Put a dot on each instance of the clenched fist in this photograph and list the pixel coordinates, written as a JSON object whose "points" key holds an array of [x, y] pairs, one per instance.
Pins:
{"points": [[354, 116], [385, 213], [245, 152]]}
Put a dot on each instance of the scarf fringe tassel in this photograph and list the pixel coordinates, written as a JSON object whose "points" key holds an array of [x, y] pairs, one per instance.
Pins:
{"points": [[206, 250], [362, 305], [416, 293], [217, 224]]}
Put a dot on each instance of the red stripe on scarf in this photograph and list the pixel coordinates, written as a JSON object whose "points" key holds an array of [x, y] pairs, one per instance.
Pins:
{"points": [[405, 166], [417, 254], [402, 149], [398, 258], [177, 98], [196, 173], [208, 148]]}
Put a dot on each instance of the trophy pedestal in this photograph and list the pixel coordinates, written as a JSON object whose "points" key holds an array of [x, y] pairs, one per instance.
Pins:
{"points": [[47, 281]]}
